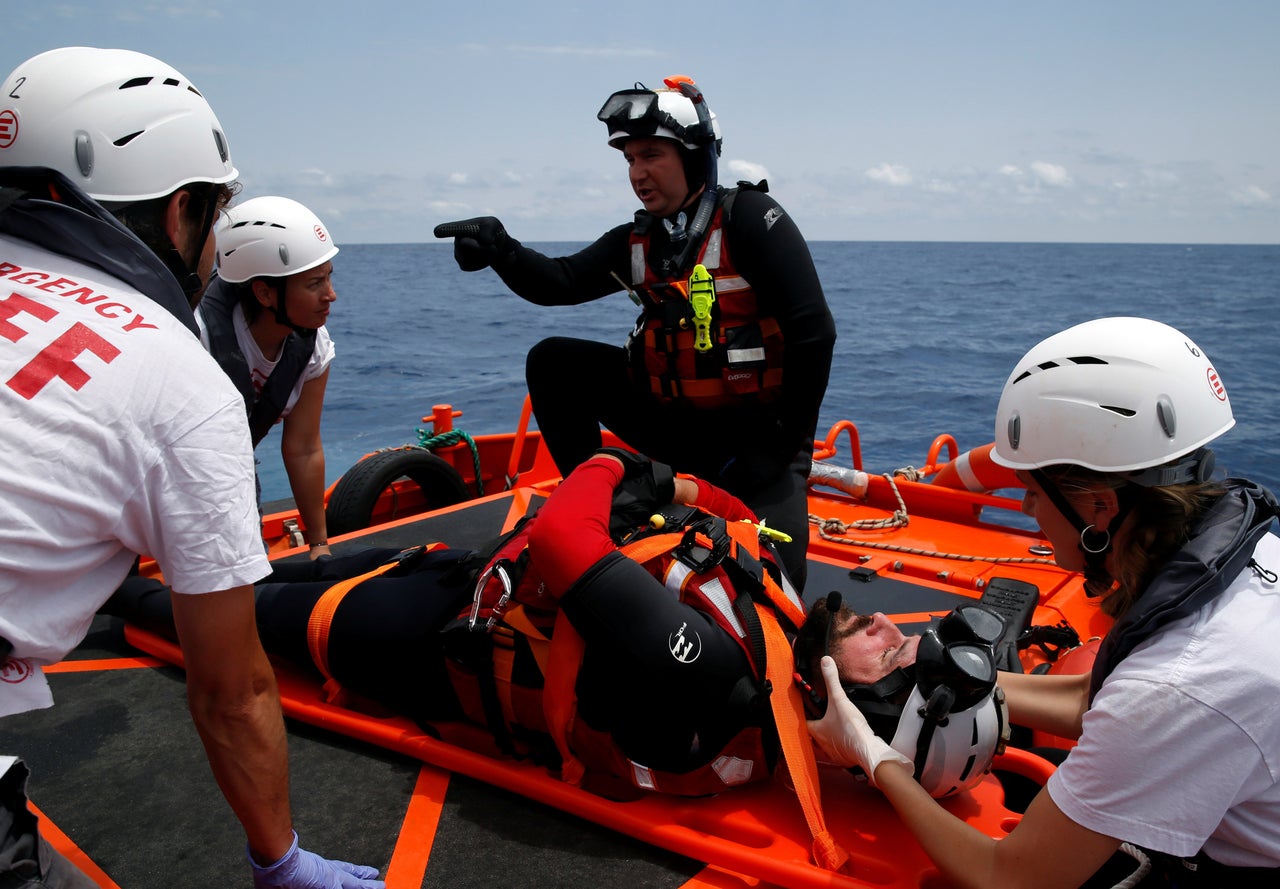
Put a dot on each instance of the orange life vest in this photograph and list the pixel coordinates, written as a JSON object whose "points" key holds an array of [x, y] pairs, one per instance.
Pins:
{"points": [[744, 363], [522, 675], [536, 652]]}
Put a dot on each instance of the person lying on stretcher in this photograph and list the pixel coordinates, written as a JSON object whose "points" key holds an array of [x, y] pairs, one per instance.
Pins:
{"points": [[666, 667]]}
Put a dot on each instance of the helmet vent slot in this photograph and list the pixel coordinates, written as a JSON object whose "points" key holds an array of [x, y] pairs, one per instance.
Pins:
{"points": [[1122, 411], [125, 140], [137, 81], [220, 141], [1168, 418]]}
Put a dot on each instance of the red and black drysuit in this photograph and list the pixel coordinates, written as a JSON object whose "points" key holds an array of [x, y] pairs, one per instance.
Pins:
{"points": [[756, 447]]}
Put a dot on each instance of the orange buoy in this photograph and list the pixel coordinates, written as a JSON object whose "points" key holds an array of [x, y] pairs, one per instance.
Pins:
{"points": [[974, 470]]}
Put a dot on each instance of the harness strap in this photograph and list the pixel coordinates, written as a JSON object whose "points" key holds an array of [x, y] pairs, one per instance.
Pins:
{"points": [[651, 547], [559, 700], [321, 619], [797, 748], [747, 536]]}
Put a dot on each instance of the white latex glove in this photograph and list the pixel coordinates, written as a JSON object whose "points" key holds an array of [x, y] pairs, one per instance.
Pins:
{"points": [[843, 734], [300, 869]]}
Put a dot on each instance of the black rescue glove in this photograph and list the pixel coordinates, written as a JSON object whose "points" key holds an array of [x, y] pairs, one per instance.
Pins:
{"points": [[646, 487], [479, 242]]}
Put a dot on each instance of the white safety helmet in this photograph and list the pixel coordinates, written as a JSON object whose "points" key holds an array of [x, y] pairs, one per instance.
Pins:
{"points": [[122, 125], [1114, 395], [961, 748], [665, 113], [270, 237]]}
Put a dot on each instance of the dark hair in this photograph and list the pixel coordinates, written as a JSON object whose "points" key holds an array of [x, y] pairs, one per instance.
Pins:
{"points": [[146, 219], [1158, 524], [817, 633], [249, 302]]}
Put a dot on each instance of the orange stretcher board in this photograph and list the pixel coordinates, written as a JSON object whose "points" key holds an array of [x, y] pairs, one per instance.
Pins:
{"points": [[757, 830]]}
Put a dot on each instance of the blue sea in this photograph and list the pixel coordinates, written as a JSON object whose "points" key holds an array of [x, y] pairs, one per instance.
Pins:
{"points": [[928, 333]]}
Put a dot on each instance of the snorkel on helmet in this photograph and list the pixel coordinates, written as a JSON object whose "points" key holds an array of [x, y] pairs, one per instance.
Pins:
{"points": [[944, 712], [640, 111]]}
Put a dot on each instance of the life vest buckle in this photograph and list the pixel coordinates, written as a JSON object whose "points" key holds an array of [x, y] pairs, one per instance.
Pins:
{"points": [[696, 554]]}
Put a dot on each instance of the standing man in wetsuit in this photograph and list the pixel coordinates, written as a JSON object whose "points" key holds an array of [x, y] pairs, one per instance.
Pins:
{"points": [[121, 435], [728, 390]]}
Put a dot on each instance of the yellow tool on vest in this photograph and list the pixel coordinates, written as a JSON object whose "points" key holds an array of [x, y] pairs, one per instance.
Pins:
{"points": [[702, 296]]}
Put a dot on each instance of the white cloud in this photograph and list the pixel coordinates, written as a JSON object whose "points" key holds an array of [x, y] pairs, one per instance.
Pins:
{"points": [[1051, 174], [459, 178], [448, 208], [939, 186], [590, 51], [889, 174], [314, 176], [748, 170], [1011, 170], [1251, 196]]}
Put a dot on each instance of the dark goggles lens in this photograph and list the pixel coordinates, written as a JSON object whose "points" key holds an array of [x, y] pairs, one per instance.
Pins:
{"points": [[973, 661], [972, 623], [636, 113], [629, 109], [968, 668]]}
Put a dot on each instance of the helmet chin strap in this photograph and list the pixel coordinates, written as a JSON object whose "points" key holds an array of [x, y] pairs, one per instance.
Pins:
{"points": [[1095, 544], [188, 274], [281, 312]]}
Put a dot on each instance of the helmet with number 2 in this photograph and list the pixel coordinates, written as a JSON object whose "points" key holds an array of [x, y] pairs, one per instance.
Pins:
{"points": [[122, 125]]}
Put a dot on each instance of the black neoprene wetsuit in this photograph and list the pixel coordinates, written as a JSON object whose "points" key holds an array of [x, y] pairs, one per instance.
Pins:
{"points": [[386, 644], [759, 452]]}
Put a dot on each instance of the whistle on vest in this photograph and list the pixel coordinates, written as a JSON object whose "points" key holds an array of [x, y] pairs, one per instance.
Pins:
{"points": [[767, 533], [702, 296]]}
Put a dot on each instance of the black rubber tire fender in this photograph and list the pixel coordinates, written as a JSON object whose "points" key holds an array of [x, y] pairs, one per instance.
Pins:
{"points": [[350, 506]]}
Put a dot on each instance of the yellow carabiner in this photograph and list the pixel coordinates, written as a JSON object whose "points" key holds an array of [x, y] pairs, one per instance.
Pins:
{"points": [[702, 296]]}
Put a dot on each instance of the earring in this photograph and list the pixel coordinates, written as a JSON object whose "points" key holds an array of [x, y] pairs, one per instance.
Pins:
{"points": [[1088, 535]]}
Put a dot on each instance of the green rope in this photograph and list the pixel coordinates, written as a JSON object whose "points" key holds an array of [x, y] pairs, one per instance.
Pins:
{"points": [[444, 440]]}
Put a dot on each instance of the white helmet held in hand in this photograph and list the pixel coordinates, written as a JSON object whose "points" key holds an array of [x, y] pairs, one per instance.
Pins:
{"points": [[961, 748], [122, 125], [1114, 395], [270, 237]]}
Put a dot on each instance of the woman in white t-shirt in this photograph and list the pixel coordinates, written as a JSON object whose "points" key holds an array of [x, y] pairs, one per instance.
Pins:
{"points": [[263, 318], [1178, 745]]}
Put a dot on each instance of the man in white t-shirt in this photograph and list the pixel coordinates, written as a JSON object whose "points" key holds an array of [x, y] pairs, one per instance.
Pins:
{"points": [[121, 434]]}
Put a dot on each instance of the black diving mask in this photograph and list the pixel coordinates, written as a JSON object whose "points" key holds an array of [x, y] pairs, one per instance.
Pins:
{"points": [[636, 112]]}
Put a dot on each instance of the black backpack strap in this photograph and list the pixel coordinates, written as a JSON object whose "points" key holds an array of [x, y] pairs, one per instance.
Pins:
{"points": [[264, 408], [77, 227], [275, 391]]}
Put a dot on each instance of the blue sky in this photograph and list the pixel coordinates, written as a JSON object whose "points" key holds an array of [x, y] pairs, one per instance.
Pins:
{"points": [[1006, 121]]}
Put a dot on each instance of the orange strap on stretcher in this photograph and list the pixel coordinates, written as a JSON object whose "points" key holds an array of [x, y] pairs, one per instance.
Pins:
{"points": [[326, 607], [793, 735]]}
